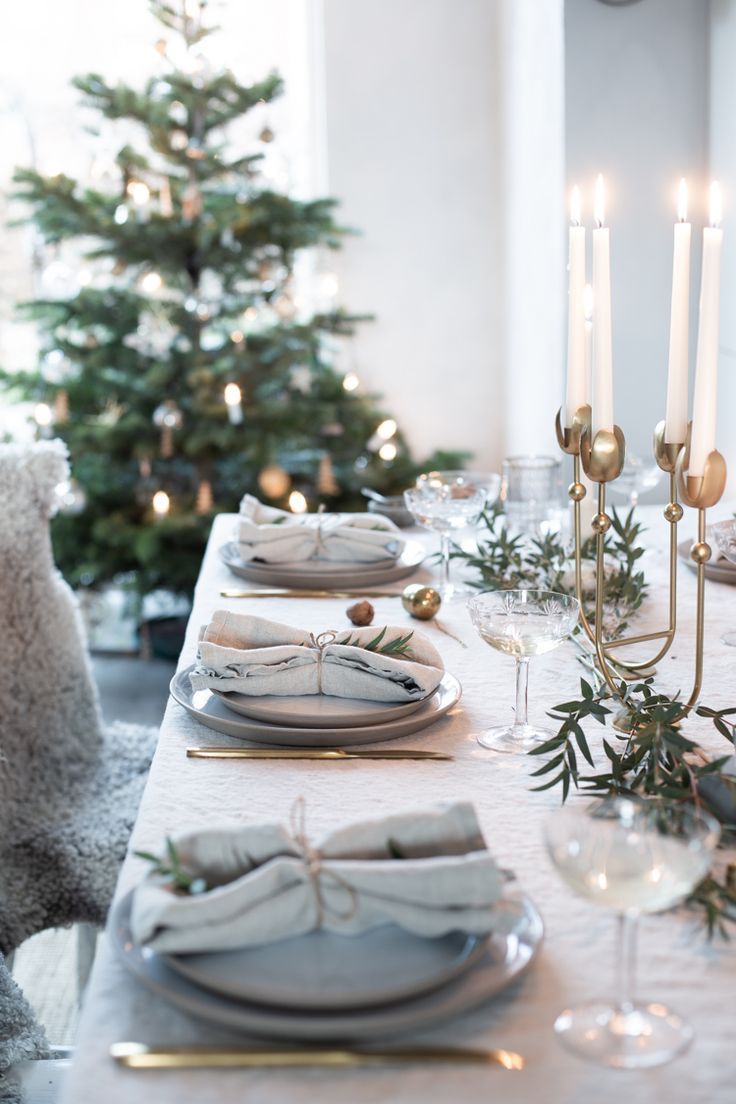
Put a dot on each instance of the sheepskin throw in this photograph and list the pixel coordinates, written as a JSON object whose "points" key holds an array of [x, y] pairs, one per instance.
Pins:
{"points": [[69, 787]]}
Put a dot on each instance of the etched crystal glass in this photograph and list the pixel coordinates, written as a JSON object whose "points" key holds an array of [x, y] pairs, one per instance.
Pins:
{"points": [[521, 623]]}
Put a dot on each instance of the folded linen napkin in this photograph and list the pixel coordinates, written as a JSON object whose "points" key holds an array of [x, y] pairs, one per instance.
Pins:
{"points": [[428, 872], [251, 655], [276, 536]]}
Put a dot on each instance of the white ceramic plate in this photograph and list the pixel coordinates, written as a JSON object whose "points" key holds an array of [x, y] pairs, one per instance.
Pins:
{"points": [[208, 709], [324, 574], [720, 571], [504, 958], [327, 972], [317, 710]]}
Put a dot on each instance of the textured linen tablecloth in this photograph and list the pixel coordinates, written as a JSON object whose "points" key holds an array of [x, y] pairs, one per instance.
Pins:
{"points": [[676, 963]]}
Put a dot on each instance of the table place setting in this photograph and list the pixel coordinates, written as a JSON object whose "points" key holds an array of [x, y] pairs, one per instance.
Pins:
{"points": [[271, 683], [319, 551], [383, 926]]}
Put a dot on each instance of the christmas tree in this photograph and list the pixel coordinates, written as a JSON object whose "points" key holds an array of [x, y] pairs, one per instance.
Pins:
{"points": [[185, 371]]}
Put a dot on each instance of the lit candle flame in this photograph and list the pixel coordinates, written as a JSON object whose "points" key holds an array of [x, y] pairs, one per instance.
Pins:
{"points": [[682, 201], [599, 205], [716, 207], [575, 215], [588, 303]]}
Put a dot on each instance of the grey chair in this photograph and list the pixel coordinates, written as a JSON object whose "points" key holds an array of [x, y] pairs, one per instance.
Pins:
{"points": [[69, 785]]}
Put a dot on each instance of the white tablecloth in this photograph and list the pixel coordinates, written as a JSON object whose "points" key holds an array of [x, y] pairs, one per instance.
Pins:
{"points": [[676, 964]]}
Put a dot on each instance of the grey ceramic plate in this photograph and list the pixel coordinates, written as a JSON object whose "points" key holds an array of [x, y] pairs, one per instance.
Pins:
{"points": [[720, 571], [327, 972], [504, 958], [317, 710], [322, 574], [208, 709]]}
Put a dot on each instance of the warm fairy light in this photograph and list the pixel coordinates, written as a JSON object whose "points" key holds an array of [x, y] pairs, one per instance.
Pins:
{"points": [[237, 336], [588, 302], [388, 451], [139, 192], [682, 201], [233, 394], [599, 203], [161, 504], [121, 214], [716, 207], [386, 429], [297, 503], [43, 414], [350, 381], [151, 282], [575, 207]]}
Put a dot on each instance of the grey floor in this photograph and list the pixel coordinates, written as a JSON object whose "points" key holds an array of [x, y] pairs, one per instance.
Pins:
{"points": [[45, 967]]}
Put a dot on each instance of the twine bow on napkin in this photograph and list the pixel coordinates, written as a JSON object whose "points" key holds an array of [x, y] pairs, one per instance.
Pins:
{"points": [[429, 872]]}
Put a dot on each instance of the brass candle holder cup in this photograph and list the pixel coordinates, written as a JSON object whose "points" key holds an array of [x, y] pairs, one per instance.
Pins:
{"points": [[602, 458]]}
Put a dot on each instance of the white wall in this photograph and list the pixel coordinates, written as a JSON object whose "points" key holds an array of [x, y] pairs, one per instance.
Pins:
{"points": [[723, 168], [413, 134], [637, 110]]}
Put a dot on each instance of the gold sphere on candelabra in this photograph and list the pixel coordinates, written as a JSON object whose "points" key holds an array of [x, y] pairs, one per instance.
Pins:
{"points": [[601, 523], [673, 512], [700, 552], [577, 492], [422, 602]]}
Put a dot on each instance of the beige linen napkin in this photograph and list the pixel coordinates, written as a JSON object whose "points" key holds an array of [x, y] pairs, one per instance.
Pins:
{"points": [[254, 656], [275, 536], [268, 883]]}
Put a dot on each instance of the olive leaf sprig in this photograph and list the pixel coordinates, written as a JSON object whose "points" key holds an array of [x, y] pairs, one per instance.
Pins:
{"points": [[399, 647], [173, 871], [650, 759]]}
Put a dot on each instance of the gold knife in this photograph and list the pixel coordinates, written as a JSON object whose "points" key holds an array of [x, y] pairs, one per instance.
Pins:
{"points": [[140, 1056], [333, 754], [284, 593]]}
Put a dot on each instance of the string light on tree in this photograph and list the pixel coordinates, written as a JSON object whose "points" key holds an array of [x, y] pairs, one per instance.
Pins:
{"points": [[43, 416], [161, 504], [384, 432], [350, 382], [388, 452], [298, 503], [234, 403], [151, 283], [274, 481], [168, 418]]}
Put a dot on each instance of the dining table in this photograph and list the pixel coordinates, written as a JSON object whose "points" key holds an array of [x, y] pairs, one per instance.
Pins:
{"points": [[677, 963]]}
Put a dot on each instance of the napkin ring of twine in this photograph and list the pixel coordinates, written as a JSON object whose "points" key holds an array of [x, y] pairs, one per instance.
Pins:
{"points": [[316, 868], [318, 644]]}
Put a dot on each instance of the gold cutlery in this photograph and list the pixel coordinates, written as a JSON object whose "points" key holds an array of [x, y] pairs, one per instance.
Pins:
{"points": [[140, 1056], [283, 593], [334, 754]]}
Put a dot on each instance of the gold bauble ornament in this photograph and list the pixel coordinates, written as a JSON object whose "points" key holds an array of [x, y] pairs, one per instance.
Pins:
{"points": [[422, 602], [274, 481]]}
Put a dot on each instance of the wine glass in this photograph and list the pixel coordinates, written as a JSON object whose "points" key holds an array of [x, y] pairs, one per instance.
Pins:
{"points": [[637, 477], [632, 856], [724, 533], [521, 623], [447, 501]]}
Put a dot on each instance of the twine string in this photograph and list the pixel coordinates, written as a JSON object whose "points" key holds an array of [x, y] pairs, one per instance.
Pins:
{"points": [[316, 868]]}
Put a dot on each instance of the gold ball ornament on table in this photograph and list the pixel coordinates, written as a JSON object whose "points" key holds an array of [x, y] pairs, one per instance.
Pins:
{"points": [[422, 602]]}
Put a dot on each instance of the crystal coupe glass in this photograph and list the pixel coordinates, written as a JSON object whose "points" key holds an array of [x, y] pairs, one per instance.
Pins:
{"points": [[521, 623], [447, 501], [634, 857]]}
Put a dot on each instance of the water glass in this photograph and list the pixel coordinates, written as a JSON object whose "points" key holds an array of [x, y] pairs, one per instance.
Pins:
{"points": [[530, 491]]}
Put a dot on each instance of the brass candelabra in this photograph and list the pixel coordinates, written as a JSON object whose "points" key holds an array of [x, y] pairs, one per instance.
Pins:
{"points": [[602, 459]]}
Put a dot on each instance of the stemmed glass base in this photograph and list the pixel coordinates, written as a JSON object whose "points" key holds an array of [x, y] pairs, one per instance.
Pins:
{"points": [[630, 1036], [513, 739]]}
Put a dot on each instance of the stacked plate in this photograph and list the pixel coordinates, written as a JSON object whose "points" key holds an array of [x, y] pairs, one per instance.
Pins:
{"points": [[325, 574], [718, 569], [315, 720], [322, 987]]}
